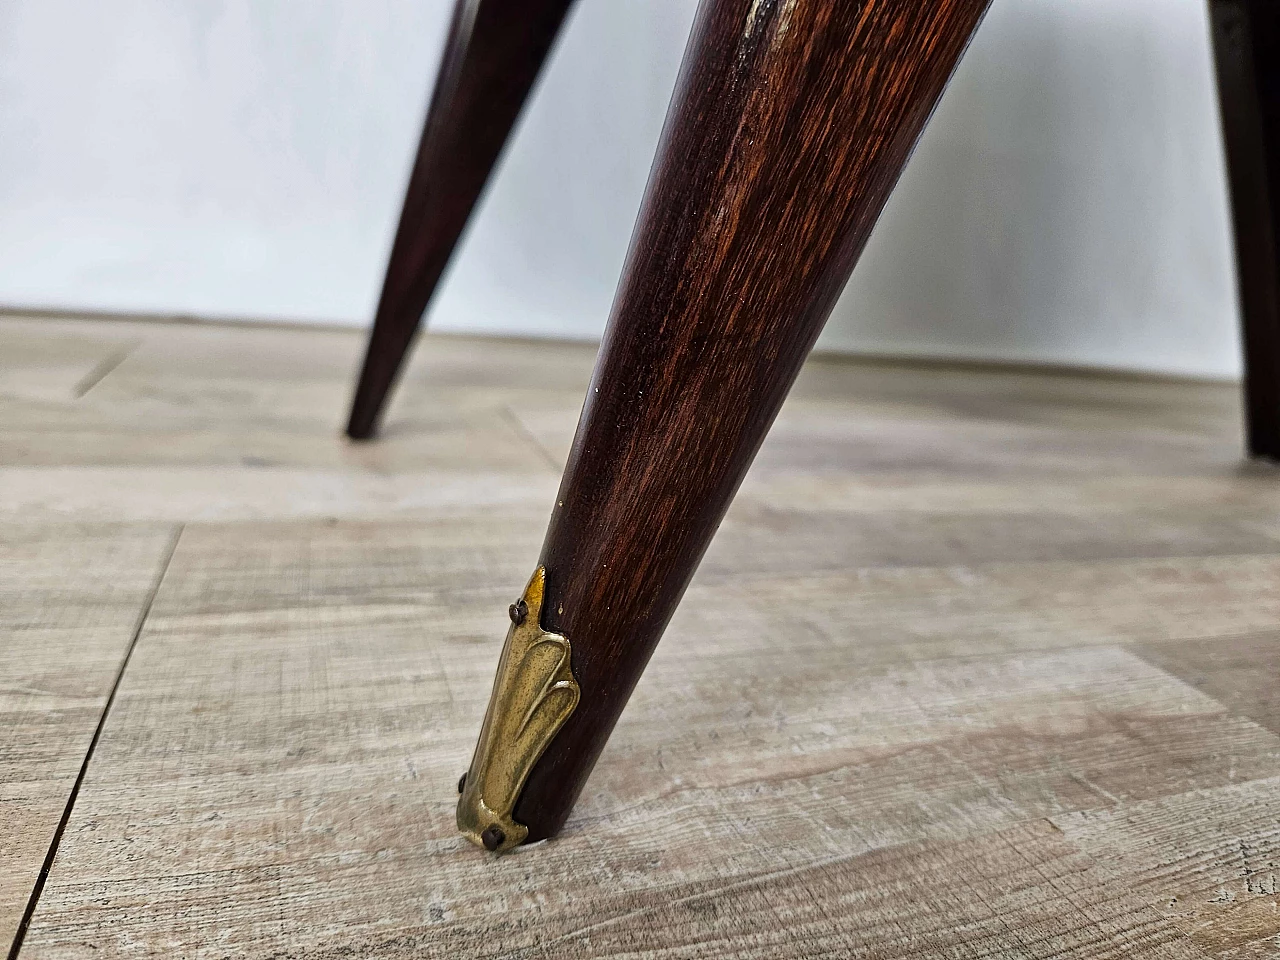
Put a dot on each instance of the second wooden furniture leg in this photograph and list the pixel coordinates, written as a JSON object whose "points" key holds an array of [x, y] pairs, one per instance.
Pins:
{"points": [[789, 127], [493, 54], [1246, 40]]}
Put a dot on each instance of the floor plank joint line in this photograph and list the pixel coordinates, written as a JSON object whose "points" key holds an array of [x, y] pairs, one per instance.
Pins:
{"points": [[509, 415], [103, 370], [47, 866]]}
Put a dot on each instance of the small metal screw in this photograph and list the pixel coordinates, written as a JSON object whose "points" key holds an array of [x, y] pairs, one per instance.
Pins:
{"points": [[462, 782], [492, 838], [518, 611]]}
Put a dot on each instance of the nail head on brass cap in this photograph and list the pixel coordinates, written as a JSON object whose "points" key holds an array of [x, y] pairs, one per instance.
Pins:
{"points": [[518, 611], [492, 838]]}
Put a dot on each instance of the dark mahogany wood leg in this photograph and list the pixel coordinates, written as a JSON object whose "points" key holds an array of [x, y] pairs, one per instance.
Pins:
{"points": [[493, 54], [789, 127], [1246, 41]]}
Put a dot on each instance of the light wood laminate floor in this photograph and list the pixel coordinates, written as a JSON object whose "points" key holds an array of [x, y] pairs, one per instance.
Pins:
{"points": [[981, 664]]}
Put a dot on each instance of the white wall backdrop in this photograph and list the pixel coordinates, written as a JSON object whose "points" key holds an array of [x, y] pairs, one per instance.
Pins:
{"points": [[246, 158]]}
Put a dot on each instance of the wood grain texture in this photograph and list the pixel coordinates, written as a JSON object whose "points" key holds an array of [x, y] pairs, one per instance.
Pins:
{"points": [[1246, 43], [1208, 860], [70, 600], [972, 707], [1042, 900], [789, 127], [492, 56], [247, 401]]}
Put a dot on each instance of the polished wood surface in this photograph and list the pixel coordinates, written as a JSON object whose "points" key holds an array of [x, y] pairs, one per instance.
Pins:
{"points": [[788, 129], [1246, 42], [494, 51], [979, 665]]}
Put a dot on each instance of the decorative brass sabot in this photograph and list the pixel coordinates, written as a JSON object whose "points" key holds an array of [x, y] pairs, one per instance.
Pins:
{"points": [[533, 695]]}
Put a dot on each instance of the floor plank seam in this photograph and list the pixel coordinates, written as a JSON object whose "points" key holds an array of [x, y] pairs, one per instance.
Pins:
{"points": [[102, 370], [509, 415], [45, 868]]}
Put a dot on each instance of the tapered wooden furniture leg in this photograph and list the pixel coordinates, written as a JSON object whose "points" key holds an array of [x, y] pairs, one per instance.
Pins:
{"points": [[494, 51], [789, 127], [1246, 41]]}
